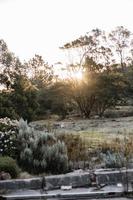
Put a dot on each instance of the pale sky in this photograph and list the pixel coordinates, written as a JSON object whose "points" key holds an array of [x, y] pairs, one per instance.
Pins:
{"points": [[40, 26]]}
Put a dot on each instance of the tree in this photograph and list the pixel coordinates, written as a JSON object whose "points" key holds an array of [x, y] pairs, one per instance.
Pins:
{"points": [[61, 103], [84, 96], [11, 69], [39, 72], [102, 84], [10, 65], [40, 75], [121, 40], [6, 106], [93, 46], [109, 92], [24, 98]]}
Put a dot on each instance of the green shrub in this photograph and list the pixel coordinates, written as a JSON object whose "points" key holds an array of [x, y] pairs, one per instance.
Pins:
{"points": [[7, 164], [6, 106]]}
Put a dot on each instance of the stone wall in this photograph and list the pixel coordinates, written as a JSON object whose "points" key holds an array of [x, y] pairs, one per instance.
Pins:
{"points": [[52, 182], [113, 177], [76, 179]]}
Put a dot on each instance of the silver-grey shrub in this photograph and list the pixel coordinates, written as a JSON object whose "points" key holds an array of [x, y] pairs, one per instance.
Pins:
{"points": [[113, 159], [40, 151]]}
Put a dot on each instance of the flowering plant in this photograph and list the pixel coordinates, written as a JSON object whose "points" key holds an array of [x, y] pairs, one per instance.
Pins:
{"points": [[8, 133]]}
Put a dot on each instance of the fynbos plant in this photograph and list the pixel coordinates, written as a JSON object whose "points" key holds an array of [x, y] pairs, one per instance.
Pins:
{"points": [[8, 134], [40, 151]]}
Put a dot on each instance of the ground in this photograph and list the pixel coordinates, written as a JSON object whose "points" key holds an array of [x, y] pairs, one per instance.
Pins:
{"points": [[105, 125], [90, 129], [95, 133], [80, 193]]}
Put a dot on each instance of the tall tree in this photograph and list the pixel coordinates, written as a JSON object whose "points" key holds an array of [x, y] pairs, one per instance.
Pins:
{"points": [[120, 41], [94, 46], [24, 98], [9, 65], [39, 71]]}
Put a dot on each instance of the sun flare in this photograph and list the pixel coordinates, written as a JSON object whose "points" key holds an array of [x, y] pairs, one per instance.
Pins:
{"points": [[68, 73], [77, 75]]}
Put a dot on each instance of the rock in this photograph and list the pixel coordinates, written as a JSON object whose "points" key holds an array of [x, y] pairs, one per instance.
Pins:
{"points": [[4, 175], [66, 187], [62, 125], [96, 117], [56, 125]]}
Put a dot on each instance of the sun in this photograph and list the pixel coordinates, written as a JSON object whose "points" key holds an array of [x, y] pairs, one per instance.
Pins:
{"points": [[78, 75], [64, 74], [68, 73], [75, 75]]}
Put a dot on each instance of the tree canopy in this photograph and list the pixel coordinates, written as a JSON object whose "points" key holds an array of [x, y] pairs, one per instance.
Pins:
{"points": [[32, 90]]}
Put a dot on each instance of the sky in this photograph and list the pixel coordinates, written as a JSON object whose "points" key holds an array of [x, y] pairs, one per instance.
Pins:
{"points": [[32, 27]]}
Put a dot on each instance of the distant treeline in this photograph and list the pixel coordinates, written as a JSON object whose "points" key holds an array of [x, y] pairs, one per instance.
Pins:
{"points": [[32, 91]]}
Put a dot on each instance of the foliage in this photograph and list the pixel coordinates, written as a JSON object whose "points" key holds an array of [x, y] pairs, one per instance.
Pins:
{"points": [[31, 89], [82, 93], [8, 134], [6, 106], [40, 151], [76, 148], [61, 104], [9, 165], [113, 160], [19, 103], [109, 91], [55, 99], [108, 149], [24, 98], [41, 74], [103, 76], [10, 65], [19, 97], [121, 43], [97, 92]]}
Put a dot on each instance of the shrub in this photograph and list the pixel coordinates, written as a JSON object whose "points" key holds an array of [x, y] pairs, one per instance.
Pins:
{"points": [[76, 148], [7, 164], [113, 160], [40, 151], [8, 132], [6, 106]]}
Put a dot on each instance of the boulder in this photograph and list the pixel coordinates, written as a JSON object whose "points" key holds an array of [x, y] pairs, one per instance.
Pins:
{"points": [[4, 175]]}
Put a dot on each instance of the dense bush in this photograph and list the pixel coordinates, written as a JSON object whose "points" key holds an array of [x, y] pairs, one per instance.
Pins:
{"points": [[9, 165], [109, 91], [6, 106], [24, 98], [40, 151], [8, 133]]}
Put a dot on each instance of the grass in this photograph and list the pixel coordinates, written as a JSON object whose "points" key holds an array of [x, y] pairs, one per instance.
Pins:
{"points": [[97, 140]]}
